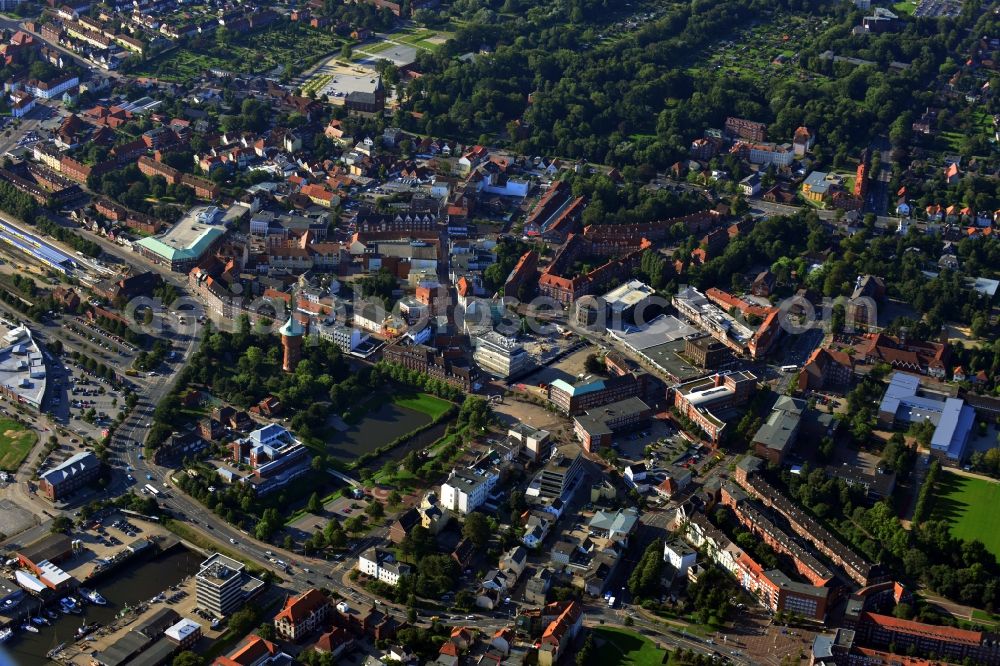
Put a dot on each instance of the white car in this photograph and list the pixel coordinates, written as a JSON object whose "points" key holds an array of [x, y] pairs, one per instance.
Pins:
{"points": [[232, 540]]}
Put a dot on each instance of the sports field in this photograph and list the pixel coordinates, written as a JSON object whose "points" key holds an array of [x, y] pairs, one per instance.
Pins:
{"points": [[618, 647], [969, 505], [16, 442]]}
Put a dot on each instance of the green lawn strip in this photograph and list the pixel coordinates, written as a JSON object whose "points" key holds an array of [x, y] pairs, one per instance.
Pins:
{"points": [[377, 47], [424, 403], [619, 646], [906, 7], [198, 539], [441, 443], [984, 616], [16, 442], [429, 45], [967, 504]]}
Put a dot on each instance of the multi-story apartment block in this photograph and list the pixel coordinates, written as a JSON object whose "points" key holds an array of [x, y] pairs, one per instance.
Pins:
{"points": [[382, 565], [856, 567], [559, 476], [745, 129], [751, 516], [773, 589], [679, 555], [467, 489]]}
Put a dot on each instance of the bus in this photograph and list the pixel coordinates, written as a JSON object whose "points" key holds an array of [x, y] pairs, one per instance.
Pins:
{"points": [[789, 368], [151, 489]]}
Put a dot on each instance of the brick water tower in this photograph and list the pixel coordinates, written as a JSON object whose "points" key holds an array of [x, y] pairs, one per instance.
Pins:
{"points": [[291, 343]]}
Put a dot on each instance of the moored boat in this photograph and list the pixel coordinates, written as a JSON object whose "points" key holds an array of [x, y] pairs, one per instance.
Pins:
{"points": [[94, 597]]}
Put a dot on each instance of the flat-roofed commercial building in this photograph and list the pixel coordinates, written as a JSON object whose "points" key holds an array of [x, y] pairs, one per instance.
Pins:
{"points": [[905, 403], [500, 356], [623, 303], [699, 398], [596, 427], [222, 585], [183, 245], [593, 392]]}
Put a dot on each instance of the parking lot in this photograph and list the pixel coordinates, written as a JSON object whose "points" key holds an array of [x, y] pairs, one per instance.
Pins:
{"points": [[938, 8]]}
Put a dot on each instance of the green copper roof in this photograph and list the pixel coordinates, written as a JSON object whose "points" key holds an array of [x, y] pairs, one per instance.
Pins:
{"points": [[291, 329]]}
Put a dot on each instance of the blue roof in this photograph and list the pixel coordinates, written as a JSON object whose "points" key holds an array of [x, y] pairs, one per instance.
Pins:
{"points": [[952, 418], [959, 434], [579, 389]]}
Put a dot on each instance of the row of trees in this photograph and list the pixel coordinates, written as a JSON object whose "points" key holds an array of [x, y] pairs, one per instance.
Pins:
{"points": [[644, 581], [961, 570], [417, 380]]}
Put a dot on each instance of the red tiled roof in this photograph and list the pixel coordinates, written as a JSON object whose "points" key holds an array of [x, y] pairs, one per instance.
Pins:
{"points": [[298, 608], [933, 632], [255, 648]]}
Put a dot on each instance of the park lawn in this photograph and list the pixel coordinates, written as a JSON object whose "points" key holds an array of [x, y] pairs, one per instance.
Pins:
{"points": [[376, 47], [428, 45], [424, 403], [984, 616], [618, 647], [16, 442], [905, 7], [968, 504]]}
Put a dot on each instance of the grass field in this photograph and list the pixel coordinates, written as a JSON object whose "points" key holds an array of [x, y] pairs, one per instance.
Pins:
{"points": [[423, 38], [968, 505], [423, 403], [16, 442], [618, 647]]}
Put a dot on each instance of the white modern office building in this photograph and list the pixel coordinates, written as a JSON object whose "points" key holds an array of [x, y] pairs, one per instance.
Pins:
{"points": [[500, 356]]}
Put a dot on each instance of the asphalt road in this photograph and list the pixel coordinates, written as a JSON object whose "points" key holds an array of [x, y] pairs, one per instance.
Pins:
{"points": [[768, 209]]}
